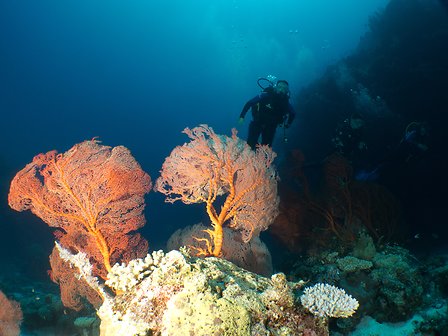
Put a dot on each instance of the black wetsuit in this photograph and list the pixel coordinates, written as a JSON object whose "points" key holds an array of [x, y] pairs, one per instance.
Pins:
{"points": [[269, 110]]}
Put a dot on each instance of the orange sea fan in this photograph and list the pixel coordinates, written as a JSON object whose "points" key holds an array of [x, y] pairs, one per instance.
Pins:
{"points": [[93, 194], [210, 166]]}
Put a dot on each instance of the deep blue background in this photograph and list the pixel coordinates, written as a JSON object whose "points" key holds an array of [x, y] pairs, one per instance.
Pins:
{"points": [[136, 73]]}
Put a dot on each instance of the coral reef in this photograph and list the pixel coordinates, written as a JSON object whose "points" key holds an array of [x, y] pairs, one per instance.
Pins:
{"points": [[350, 264], [389, 286], [398, 283], [184, 295], [322, 203]]}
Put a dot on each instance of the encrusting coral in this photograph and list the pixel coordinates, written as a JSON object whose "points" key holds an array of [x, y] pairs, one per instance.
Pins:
{"points": [[184, 295]]}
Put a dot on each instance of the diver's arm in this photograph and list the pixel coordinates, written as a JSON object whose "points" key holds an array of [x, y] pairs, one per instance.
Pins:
{"points": [[249, 104]]}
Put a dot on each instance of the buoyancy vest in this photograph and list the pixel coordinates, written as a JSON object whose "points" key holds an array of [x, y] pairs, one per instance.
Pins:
{"points": [[271, 109]]}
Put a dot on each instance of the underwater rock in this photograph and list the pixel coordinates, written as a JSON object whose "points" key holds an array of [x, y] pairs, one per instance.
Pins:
{"points": [[253, 255], [184, 295], [351, 264], [364, 247], [399, 284], [87, 325], [390, 289]]}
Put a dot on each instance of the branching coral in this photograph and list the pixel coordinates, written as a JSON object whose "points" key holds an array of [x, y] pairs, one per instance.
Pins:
{"points": [[327, 300], [333, 205]]}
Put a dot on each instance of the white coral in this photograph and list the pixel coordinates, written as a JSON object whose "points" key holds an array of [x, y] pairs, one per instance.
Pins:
{"points": [[124, 277], [327, 300], [82, 263]]}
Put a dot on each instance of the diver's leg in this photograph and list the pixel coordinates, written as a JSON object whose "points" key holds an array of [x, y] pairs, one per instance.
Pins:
{"points": [[268, 134], [254, 133]]}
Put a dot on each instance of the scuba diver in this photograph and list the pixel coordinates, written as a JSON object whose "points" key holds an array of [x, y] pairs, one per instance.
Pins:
{"points": [[348, 137], [411, 147], [270, 109], [415, 141]]}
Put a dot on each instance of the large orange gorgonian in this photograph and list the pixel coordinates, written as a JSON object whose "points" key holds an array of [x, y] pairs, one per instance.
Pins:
{"points": [[212, 165], [93, 194]]}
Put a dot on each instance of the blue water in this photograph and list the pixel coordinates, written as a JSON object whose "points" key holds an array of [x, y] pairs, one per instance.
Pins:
{"points": [[136, 74]]}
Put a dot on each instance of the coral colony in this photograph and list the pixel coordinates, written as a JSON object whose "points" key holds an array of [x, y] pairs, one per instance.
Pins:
{"points": [[94, 195]]}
